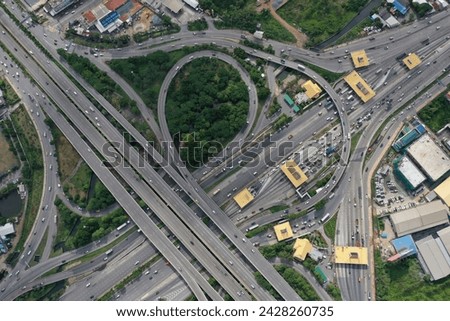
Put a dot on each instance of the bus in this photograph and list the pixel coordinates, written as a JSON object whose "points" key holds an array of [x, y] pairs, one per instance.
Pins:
{"points": [[251, 227], [121, 226], [109, 252], [323, 219], [216, 192]]}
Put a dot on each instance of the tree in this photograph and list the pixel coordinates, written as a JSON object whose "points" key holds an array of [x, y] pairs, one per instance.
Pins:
{"points": [[320, 205]]}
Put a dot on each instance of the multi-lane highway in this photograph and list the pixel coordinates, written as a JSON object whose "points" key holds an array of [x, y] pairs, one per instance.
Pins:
{"points": [[234, 271]]}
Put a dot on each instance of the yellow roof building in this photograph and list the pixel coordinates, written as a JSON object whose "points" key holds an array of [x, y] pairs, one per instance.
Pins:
{"points": [[443, 191], [359, 86], [312, 90], [294, 173], [283, 231], [301, 248], [412, 61], [360, 58], [243, 198], [351, 255]]}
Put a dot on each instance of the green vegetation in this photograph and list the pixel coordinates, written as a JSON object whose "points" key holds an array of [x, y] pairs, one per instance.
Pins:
{"points": [[436, 114], [40, 249], [356, 32], [255, 72], [50, 292], [109, 89], [297, 215], [330, 227], [75, 231], [207, 105], [197, 25], [259, 229], [32, 170], [168, 28], [98, 40], [316, 239], [77, 187], [241, 14], [355, 140], [278, 208], [300, 285], [8, 159], [320, 204], [405, 281], [101, 198], [320, 19], [9, 93], [273, 109], [421, 9], [262, 282], [146, 73], [329, 76], [322, 182], [66, 154], [334, 291], [281, 121], [281, 249]]}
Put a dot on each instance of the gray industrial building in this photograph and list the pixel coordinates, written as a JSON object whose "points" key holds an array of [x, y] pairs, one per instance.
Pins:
{"points": [[419, 218]]}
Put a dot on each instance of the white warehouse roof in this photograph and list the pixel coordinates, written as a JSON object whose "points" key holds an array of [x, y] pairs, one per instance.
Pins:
{"points": [[411, 172], [420, 218], [430, 157]]}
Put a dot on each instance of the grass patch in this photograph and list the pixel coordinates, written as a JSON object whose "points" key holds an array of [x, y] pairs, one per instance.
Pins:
{"points": [[436, 114], [77, 187], [355, 140], [66, 154], [278, 208], [329, 76], [330, 227], [405, 281], [356, 32], [40, 249], [32, 172], [320, 19], [9, 93], [8, 161]]}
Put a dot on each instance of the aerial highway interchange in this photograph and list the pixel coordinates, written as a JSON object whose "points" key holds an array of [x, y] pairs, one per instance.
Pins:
{"points": [[232, 259]]}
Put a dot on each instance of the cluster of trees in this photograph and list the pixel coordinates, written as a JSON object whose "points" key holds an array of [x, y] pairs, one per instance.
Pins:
{"points": [[197, 25], [76, 231], [298, 283], [101, 198], [206, 106], [31, 155], [421, 9], [436, 114], [320, 204], [262, 282], [100, 81], [282, 249], [99, 40], [8, 92]]}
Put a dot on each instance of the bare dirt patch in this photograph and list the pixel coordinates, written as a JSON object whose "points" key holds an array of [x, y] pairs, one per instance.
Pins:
{"points": [[7, 159]]}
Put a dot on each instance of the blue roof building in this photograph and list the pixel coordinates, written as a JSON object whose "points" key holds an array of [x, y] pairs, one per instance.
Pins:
{"points": [[400, 7]]}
